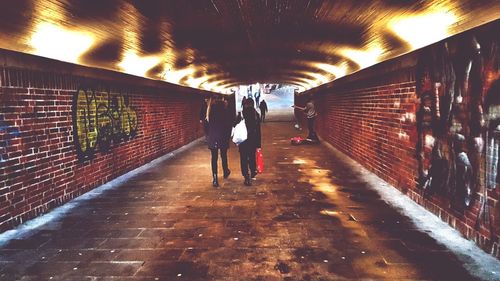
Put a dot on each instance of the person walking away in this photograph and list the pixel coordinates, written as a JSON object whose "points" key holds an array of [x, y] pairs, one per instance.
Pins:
{"points": [[251, 144], [257, 97], [219, 132], [311, 114], [263, 110], [243, 101], [203, 116]]}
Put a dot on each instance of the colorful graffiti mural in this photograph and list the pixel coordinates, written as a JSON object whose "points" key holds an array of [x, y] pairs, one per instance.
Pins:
{"points": [[100, 120], [7, 133], [458, 119]]}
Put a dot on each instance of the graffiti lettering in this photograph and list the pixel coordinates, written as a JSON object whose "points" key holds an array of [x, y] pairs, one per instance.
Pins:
{"points": [[101, 120]]}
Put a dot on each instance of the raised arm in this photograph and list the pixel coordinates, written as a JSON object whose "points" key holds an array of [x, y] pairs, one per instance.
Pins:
{"points": [[298, 107]]}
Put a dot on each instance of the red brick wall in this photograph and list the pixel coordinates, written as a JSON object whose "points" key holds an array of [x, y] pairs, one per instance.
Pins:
{"points": [[41, 167], [371, 116], [372, 124]]}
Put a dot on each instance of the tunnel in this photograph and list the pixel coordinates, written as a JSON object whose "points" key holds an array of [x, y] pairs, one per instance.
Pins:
{"points": [[249, 140]]}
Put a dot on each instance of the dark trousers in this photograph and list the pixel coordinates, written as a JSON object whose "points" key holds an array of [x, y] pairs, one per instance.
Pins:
{"points": [[205, 128], [310, 126], [247, 160], [215, 156], [263, 115]]}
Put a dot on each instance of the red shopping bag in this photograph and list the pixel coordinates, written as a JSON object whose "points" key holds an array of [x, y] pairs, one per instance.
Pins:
{"points": [[259, 159]]}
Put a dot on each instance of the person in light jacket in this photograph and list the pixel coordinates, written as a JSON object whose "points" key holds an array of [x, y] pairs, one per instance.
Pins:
{"points": [[250, 145], [219, 132], [311, 114]]}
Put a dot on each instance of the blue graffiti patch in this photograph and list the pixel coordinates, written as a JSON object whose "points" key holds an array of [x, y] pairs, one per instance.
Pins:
{"points": [[9, 133]]}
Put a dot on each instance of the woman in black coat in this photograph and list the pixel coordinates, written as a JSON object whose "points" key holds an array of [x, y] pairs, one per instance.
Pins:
{"points": [[253, 141], [219, 132]]}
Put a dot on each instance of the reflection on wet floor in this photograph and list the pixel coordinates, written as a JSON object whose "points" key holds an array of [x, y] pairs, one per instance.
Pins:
{"points": [[307, 217]]}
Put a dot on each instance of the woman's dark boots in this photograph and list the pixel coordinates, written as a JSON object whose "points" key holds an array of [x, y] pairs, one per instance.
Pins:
{"points": [[227, 172], [216, 181], [247, 181]]}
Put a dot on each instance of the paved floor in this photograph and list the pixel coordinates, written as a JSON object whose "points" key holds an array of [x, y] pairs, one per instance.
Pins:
{"points": [[308, 217]]}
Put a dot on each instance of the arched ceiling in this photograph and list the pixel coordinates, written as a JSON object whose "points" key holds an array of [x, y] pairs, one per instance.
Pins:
{"points": [[217, 44]]}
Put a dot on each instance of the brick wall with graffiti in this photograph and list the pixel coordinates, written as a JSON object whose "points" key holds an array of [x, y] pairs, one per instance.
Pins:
{"points": [[102, 119], [63, 134], [429, 124]]}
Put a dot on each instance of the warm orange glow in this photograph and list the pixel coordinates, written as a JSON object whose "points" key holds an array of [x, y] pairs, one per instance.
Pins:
{"points": [[319, 179], [51, 41], [196, 82], [307, 83], [213, 86], [318, 78], [175, 76], [330, 213], [132, 41], [303, 86], [338, 71], [137, 65], [364, 57], [301, 89], [423, 29], [299, 161]]}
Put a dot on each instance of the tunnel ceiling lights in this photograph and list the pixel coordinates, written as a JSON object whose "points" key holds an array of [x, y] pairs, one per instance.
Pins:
{"points": [[51, 41], [137, 65], [423, 29], [210, 46]]}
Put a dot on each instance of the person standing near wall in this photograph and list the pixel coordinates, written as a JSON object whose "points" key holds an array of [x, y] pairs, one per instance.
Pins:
{"points": [[263, 110], [203, 116], [311, 114], [251, 144], [219, 131]]}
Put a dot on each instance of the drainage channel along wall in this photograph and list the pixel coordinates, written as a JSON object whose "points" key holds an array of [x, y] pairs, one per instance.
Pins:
{"points": [[428, 123], [65, 129]]}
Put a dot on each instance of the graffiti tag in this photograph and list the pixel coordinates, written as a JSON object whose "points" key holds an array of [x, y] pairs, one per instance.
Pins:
{"points": [[100, 120]]}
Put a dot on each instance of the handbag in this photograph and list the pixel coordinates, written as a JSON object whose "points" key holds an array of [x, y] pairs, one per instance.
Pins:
{"points": [[240, 132], [259, 160]]}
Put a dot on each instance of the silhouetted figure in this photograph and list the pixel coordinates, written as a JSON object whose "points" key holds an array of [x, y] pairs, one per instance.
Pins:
{"points": [[257, 97], [263, 110], [203, 116], [249, 146], [219, 132], [243, 101]]}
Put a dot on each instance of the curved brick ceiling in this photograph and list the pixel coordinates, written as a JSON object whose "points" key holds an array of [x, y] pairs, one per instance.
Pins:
{"points": [[216, 44]]}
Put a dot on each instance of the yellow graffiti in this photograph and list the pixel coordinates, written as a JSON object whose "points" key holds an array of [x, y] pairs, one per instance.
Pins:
{"points": [[102, 119]]}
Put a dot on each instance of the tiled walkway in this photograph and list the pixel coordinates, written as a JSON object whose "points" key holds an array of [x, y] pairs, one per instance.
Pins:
{"points": [[308, 217]]}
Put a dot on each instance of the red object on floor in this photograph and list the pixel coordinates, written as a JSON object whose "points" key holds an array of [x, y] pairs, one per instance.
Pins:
{"points": [[297, 140], [259, 159]]}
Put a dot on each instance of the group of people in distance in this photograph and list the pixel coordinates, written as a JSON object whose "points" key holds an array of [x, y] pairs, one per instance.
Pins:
{"points": [[218, 123]]}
